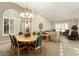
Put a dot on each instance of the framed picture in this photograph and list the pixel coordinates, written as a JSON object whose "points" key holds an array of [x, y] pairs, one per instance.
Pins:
{"points": [[40, 26]]}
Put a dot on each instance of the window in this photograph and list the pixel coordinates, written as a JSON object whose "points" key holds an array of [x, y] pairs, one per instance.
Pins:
{"points": [[61, 27], [6, 26], [11, 22]]}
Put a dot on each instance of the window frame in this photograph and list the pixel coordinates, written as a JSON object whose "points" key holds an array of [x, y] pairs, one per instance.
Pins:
{"points": [[3, 26], [9, 25]]}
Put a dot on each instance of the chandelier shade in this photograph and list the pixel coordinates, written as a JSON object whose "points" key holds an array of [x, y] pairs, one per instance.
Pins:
{"points": [[27, 14]]}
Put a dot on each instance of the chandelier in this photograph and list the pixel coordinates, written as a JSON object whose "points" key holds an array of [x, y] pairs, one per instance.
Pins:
{"points": [[27, 14]]}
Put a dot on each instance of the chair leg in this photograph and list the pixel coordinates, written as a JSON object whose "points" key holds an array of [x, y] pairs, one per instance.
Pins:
{"points": [[15, 50], [29, 50], [11, 48], [40, 50], [18, 52], [35, 52]]}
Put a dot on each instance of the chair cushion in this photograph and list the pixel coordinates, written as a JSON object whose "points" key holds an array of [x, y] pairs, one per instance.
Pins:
{"points": [[35, 45], [38, 42], [22, 45]]}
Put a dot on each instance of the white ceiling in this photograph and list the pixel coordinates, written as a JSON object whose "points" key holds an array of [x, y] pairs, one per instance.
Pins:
{"points": [[53, 10], [22, 4]]}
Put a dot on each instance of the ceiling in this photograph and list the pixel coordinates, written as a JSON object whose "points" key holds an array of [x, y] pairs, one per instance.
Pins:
{"points": [[53, 11]]}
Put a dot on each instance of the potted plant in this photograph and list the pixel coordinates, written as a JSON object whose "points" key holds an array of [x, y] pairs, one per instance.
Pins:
{"points": [[74, 32], [74, 28]]}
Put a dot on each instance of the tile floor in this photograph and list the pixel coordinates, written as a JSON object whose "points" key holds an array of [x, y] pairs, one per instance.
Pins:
{"points": [[48, 49], [63, 48], [69, 47]]}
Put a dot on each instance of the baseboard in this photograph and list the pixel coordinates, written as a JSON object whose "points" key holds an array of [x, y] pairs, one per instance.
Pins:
{"points": [[4, 41]]}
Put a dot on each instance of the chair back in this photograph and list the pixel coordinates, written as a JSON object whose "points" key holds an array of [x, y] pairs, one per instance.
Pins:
{"points": [[38, 33], [43, 32], [27, 34], [15, 41], [34, 33], [12, 41], [20, 33], [39, 40]]}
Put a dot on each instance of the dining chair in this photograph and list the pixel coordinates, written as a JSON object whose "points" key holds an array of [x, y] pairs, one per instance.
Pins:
{"points": [[12, 44], [18, 46], [45, 37], [20, 33], [38, 33], [27, 34], [33, 33], [36, 45]]}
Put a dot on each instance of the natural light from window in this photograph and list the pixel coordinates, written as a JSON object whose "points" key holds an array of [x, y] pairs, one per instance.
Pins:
{"points": [[61, 27]]}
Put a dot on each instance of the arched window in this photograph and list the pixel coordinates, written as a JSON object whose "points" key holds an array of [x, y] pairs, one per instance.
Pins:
{"points": [[11, 21]]}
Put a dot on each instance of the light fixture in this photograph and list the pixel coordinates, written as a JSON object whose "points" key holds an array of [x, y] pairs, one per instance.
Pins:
{"points": [[27, 14]]}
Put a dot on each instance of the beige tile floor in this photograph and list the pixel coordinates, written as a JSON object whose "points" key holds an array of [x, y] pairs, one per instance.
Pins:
{"points": [[69, 47], [48, 49], [63, 48]]}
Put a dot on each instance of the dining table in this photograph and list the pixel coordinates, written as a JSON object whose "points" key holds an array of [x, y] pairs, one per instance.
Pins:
{"points": [[29, 39], [23, 38]]}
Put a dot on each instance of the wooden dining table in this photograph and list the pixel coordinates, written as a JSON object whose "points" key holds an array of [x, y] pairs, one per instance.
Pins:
{"points": [[29, 39], [22, 38], [32, 38]]}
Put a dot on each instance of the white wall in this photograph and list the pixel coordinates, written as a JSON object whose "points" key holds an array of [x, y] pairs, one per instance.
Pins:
{"points": [[3, 7], [39, 19], [78, 24]]}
